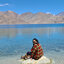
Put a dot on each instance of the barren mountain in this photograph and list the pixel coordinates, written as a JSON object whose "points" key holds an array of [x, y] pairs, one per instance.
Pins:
{"points": [[10, 17], [60, 14]]}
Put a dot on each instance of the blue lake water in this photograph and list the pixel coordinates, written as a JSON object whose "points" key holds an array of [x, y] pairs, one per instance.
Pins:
{"points": [[17, 39]]}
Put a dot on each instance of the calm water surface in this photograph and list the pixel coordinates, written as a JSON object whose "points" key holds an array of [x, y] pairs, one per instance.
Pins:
{"points": [[17, 41]]}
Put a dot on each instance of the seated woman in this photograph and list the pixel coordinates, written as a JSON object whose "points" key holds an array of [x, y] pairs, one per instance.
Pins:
{"points": [[36, 51]]}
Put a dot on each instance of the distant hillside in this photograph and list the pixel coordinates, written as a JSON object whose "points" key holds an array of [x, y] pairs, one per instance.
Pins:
{"points": [[60, 14], [10, 17]]}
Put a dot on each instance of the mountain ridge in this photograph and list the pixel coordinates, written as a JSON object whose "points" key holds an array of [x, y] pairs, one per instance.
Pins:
{"points": [[10, 17]]}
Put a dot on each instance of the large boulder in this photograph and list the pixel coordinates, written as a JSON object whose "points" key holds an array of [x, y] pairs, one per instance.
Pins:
{"points": [[42, 60]]}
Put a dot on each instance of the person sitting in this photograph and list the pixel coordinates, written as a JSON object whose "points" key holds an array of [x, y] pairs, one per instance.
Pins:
{"points": [[36, 51]]}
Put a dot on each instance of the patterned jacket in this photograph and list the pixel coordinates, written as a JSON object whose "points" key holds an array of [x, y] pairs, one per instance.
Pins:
{"points": [[36, 51]]}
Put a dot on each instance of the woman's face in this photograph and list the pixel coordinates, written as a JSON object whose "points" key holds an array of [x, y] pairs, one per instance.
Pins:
{"points": [[34, 41]]}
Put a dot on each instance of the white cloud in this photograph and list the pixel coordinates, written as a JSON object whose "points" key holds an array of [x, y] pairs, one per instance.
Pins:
{"points": [[6, 4], [48, 13]]}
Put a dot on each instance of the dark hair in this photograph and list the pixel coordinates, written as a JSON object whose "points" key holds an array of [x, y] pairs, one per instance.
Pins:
{"points": [[36, 40]]}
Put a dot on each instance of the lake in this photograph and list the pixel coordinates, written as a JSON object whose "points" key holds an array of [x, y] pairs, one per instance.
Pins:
{"points": [[16, 40]]}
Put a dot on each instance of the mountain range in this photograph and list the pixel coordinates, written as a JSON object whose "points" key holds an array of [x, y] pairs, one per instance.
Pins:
{"points": [[10, 17]]}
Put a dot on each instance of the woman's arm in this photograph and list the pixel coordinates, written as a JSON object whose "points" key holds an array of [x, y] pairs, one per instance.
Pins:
{"points": [[33, 50]]}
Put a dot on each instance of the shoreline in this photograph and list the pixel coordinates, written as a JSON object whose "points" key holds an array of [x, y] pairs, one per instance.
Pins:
{"points": [[9, 60], [56, 57], [32, 24]]}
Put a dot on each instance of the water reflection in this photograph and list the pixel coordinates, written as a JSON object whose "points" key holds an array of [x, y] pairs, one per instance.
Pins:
{"points": [[15, 40], [11, 32]]}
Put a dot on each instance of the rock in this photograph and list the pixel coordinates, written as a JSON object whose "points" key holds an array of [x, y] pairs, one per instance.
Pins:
{"points": [[42, 60]]}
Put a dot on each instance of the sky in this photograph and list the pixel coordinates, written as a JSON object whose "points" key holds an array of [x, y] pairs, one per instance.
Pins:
{"points": [[34, 6]]}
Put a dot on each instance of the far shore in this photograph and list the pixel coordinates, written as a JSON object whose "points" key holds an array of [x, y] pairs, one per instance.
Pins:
{"points": [[33, 24], [30, 25]]}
